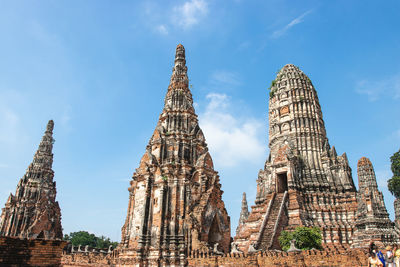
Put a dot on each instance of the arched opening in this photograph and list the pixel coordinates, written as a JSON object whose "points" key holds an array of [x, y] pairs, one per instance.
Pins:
{"points": [[214, 235]]}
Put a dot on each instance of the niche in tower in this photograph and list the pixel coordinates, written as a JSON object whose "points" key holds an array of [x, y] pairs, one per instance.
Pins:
{"points": [[214, 235], [281, 182]]}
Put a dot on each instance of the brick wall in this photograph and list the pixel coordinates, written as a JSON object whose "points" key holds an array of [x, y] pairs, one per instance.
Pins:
{"points": [[30, 252], [87, 259], [311, 258]]}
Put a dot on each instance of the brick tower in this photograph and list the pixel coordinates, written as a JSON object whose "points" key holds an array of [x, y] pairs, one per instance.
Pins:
{"points": [[244, 213], [304, 182], [33, 212], [372, 220], [175, 200]]}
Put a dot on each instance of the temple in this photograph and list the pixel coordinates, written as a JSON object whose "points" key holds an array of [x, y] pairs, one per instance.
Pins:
{"points": [[304, 181], [33, 211], [244, 213], [175, 203], [372, 218]]}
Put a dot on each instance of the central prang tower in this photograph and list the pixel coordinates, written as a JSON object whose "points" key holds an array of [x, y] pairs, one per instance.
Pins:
{"points": [[300, 155], [175, 203], [304, 182]]}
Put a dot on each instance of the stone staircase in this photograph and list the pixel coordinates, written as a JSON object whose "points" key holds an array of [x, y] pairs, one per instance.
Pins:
{"points": [[272, 227]]}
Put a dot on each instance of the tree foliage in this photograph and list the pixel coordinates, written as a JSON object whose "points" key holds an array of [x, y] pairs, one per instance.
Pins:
{"points": [[83, 238], [306, 238], [394, 182]]}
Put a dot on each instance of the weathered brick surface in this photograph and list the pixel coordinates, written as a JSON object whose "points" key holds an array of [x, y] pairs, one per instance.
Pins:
{"points": [[332, 257], [87, 259], [175, 201], [25, 252], [33, 211], [372, 218], [318, 181], [293, 259]]}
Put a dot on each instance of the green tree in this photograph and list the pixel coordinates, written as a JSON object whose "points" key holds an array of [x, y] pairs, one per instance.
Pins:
{"points": [[306, 238], [83, 238], [394, 182]]}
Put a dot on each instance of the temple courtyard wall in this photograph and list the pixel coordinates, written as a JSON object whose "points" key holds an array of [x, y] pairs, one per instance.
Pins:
{"points": [[332, 258], [30, 252]]}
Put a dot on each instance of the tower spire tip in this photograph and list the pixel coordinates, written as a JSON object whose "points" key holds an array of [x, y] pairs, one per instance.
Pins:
{"points": [[50, 126]]}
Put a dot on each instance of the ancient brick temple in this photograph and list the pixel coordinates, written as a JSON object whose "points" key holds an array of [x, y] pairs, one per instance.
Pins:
{"points": [[244, 213], [33, 212], [175, 203], [304, 182], [372, 218]]}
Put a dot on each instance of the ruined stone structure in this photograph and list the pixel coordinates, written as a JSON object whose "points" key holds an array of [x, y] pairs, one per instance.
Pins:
{"points": [[244, 213], [310, 258], [30, 252], [175, 203], [304, 182], [33, 212], [372, 219]]}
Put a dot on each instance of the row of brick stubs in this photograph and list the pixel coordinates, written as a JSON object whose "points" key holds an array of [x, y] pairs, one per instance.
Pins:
{"points": [[87, 259], [312, 258], [30, 252]]}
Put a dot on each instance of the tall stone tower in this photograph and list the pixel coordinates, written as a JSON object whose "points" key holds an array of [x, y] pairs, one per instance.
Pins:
{"points": [[372, 220], [304, 182], [175, 202], [34, 212]]}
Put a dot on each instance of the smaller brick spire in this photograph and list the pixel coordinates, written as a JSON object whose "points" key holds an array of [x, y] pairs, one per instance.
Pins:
{"points": [[33, 211], [372, 219], [244, 213], [366, 175]]}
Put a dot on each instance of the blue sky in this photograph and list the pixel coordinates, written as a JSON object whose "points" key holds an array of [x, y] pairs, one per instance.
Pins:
{"points": [[100, 70]]}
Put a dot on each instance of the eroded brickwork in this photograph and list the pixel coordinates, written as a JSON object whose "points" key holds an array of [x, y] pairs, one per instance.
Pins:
{"points": [[314, 258], [244, 213], [33, 211], [24, 252], [175, 200], [304, 182], [372, 220]]}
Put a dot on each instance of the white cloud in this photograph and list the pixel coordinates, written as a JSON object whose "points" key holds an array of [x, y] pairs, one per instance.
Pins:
{"points": [[190, 13], [375, 89], [162, 29], [231, 139], [298, 20]]}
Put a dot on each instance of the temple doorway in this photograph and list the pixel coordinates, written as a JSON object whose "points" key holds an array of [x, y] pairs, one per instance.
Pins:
{"points": [[281, 185]]}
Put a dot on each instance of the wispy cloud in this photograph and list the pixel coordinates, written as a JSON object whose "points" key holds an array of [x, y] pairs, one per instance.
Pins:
{"points": [[375, 89], [278, 33], [231, 139], [162, 29], [189, 13], [225, 77]]}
